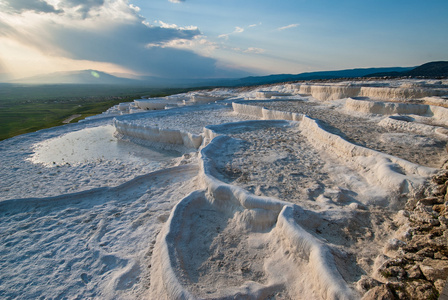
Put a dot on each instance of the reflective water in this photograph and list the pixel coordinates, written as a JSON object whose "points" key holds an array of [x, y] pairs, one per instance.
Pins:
{"points": [[93, 145]]}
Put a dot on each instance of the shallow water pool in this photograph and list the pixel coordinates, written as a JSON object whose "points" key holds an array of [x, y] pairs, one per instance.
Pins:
{"points": [[93, 145]]}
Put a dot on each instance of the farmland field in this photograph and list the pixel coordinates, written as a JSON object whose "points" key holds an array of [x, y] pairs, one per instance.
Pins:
{"points": [[27, 108]]}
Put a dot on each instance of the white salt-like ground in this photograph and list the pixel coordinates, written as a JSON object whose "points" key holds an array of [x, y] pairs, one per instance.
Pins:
{"points": [[240, 206], [90, 145], [95, 244], [192, 118], [421, 149], [70, 159]]}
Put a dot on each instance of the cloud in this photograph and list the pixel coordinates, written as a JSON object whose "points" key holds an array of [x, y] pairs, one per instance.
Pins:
{"points": [[177, 1], [238, 30], [254, 50], [83, 7], [174, 26], [288, 26], [226, 35], [205, 47], [199, 43], [254, 25], [108, 31], [29, 5]]}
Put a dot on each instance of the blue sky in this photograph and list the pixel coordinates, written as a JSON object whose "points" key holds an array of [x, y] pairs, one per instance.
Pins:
{"points": [[208, 38]]}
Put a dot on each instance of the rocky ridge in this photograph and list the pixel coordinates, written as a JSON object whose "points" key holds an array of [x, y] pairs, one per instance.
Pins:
{"points": [[415, 264]]}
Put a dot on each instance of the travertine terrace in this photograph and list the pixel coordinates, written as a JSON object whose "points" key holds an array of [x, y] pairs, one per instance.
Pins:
{"points": [[288, 191]]}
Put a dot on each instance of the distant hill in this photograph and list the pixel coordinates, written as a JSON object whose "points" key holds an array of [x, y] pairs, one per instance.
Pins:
{"points": [[350, 73], [78, 77], [432, 70], [95, 77]]}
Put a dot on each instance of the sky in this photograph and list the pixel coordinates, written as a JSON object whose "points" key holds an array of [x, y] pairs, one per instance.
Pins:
{"points": [[217, 39]]}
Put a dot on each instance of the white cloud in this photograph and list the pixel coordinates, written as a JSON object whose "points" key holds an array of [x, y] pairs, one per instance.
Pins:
{"points": [[254, 25], [288, 26], [224, 36], [236, 31], [135, 8], [199, 44], [205, 47], [250, 50], [254, 50], [166, 25], [177, 1], [174, 26], [108, 31]]}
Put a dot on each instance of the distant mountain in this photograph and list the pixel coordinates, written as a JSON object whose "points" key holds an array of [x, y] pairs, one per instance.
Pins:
{"points": [[78, 77], [350, 73], [432, 70], [102, 78]]}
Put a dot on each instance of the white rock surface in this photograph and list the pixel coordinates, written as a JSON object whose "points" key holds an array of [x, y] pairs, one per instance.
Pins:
{"points": [[292, 200]]}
